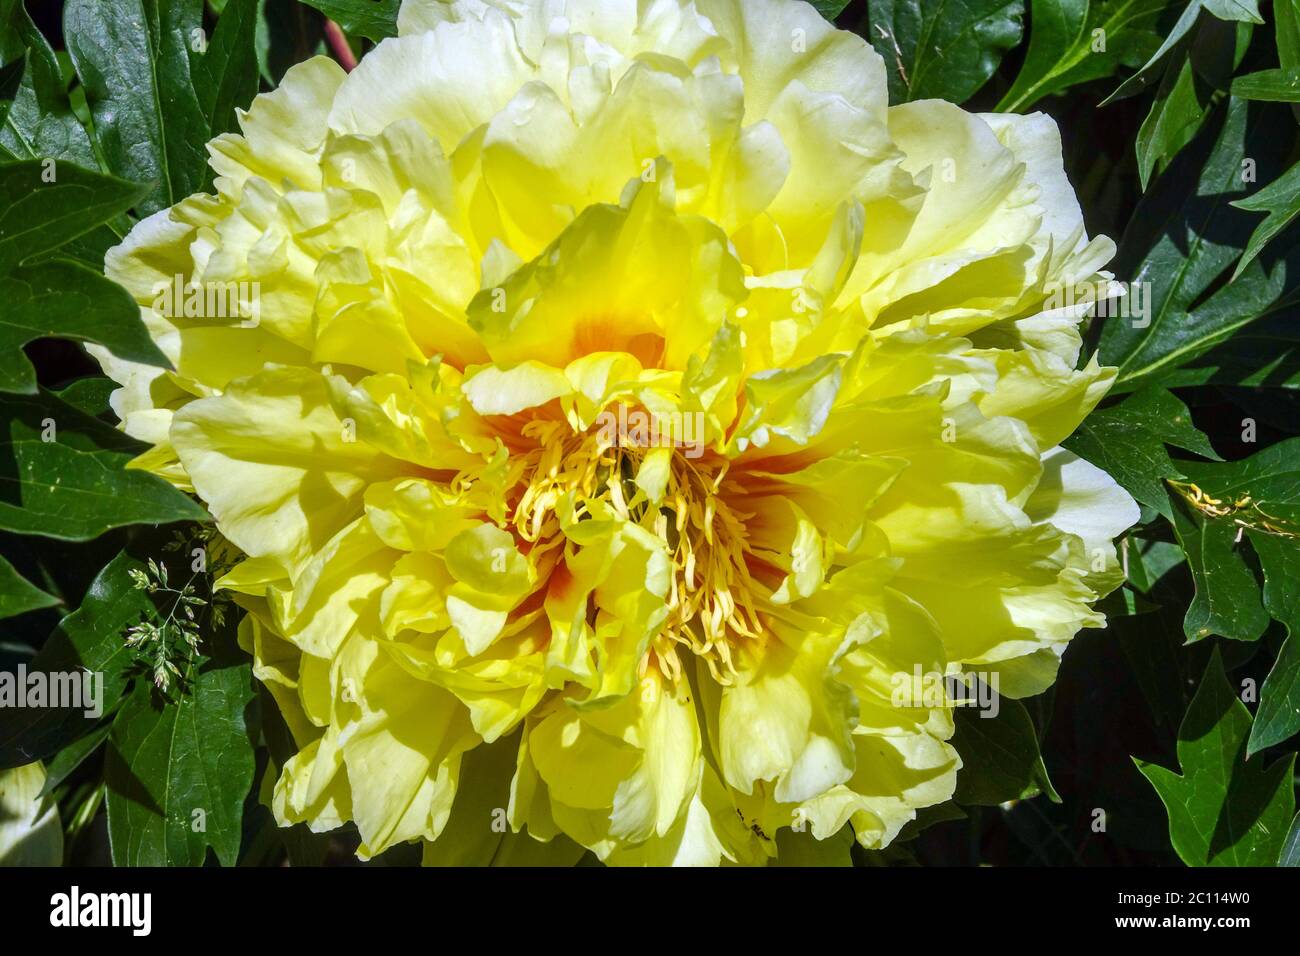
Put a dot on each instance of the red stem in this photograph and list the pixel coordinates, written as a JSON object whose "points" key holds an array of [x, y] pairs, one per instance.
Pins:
{"points": [[339, 44]]}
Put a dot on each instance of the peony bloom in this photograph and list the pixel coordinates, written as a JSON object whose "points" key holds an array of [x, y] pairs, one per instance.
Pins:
{"points": [[633, 402]]}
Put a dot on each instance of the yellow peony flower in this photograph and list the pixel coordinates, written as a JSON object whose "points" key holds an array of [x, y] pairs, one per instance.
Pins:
{"points": [[631, 401]]}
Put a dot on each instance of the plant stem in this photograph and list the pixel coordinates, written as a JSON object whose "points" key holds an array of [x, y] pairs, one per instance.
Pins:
{"points": [[339, 44]]}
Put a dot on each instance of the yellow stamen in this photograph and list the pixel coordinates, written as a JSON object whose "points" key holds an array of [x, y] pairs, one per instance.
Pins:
{"points": [[712, 599]]}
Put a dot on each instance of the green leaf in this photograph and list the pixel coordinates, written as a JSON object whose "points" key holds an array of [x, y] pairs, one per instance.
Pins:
{"points": [[62, 474], [1147, 73], [1290, 855], [1223, 811], [1176, 114], [61, 765], [18, 595], [1265, 353], [11, 77], [521, 850], [1128, 441], [804, 850], [943, 49], [485, 775], [1270, 479], [59, 211], [90, 395], [1149, 561], [830, 9], [372, 19], [1259, 492], [1227, 600], [927, 817], [1278, 716], [1186, 235], [1218, 49], [1286, 13], [225, 75], [1125, 602], [1197, 68], [133, 57], [44, 206], [1241, 11], [1000, 758], [1063, 44], [91, 638], [40, 121], [1280, 199], [67, 301], [470, 837], [178, 772], [1278, 86], [90, 249]]}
